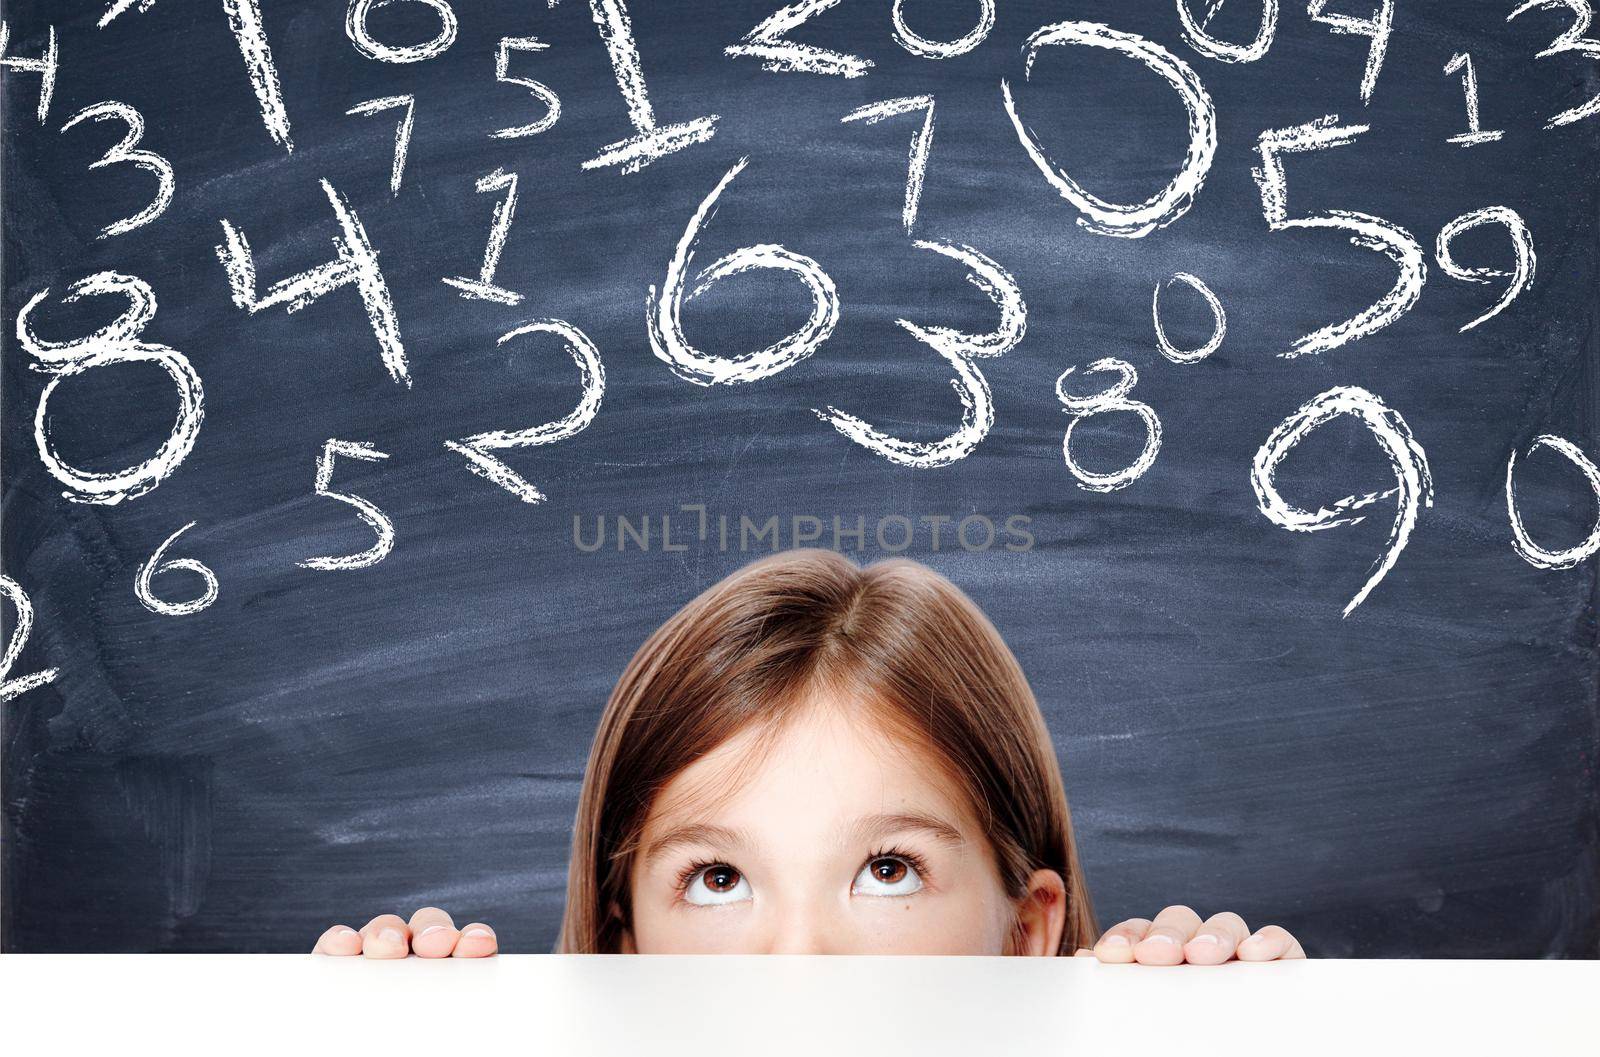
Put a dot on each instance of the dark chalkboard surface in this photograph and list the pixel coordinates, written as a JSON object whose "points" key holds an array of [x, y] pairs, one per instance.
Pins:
{"points": [[1382, 735]]}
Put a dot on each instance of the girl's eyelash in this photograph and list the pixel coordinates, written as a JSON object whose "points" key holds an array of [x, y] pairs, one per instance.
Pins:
{"points": [[910, 858], [687, 874]]}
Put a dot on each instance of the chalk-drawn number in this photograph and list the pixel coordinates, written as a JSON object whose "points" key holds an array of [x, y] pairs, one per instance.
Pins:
{"points": [[355, 27], [921, 143], [541, 92], [778, 54], [1521, 274], [1166, 205], [155, 566], [478, 448], [355, 264], [1475, 133], [664, 310], [1377, 27], [650, 142], [1082, 408], [376, 519], [1367, 231], [402, 132], [1219, 321], [917, 44], [122, 7], [117, 342], [125, 151], [1573, 40], [959, 350], [483, 287], [1413, 482], [10, 688], [244, 18], [1531, 552], [1194, 31], [46, 66]]}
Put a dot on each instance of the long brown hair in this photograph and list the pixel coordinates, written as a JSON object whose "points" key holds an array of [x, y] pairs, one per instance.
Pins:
{"points": [[748, 650]]}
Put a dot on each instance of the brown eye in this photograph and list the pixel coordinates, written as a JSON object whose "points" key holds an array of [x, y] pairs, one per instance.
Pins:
{"points": [[888, 871], [720, 879], [888, 875], [717, 884]]}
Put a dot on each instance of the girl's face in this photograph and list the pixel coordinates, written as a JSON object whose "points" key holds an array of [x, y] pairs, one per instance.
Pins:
{"points": [[830, 838]]}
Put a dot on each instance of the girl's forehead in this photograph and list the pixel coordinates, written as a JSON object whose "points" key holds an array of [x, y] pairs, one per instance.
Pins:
{"points": [[834, 757]]}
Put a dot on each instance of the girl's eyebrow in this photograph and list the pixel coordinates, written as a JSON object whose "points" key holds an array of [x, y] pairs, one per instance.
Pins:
{"points": [[695, 835], [872, 828]]}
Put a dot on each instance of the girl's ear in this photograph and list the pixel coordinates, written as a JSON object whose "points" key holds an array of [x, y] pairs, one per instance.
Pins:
{"points": [[1042, 914]]}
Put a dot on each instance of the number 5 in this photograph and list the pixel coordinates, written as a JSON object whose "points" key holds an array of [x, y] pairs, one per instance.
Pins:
{"points": [[1370, 232], [380, 523]]}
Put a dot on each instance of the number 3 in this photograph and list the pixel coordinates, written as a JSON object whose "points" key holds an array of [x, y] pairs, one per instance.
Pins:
{"points": [[125, 152], [1572, 40]]}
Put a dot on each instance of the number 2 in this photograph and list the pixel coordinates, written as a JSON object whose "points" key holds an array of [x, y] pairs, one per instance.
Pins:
{"points": [[10, 688], [477, 448]]}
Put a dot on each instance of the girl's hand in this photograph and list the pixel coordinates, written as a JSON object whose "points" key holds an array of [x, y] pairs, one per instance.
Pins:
{"points": [[429, 934], [1178, 935]]}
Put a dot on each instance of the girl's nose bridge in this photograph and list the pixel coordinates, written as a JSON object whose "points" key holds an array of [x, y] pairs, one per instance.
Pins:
{"points": [[809, 919]]}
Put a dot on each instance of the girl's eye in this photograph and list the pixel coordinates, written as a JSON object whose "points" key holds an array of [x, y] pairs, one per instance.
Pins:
{"points": [[716, 884], [887, 875]]}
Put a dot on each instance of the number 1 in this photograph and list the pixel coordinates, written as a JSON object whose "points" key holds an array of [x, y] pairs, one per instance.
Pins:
{"points": [[1469, 86], [651, 141]]}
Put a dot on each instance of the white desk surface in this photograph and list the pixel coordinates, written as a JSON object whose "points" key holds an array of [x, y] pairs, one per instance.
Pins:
{"points": [[560, 1005]]}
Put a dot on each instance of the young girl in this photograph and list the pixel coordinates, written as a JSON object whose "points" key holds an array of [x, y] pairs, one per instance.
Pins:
{"points": [[813, 757]]}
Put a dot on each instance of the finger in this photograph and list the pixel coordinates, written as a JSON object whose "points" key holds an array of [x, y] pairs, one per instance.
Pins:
{"points": [[1083, 952], [386, 936], [1116, 943], [1163, 944], [477, 941], [1216, 940], [1269, 943], [433, 933], [340, 940]]}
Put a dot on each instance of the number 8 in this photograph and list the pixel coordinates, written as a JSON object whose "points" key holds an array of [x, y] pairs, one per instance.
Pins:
{"points": [[117, 342]]}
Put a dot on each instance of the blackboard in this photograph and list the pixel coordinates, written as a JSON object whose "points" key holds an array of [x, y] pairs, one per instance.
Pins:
{"points": [[1389, 757]]}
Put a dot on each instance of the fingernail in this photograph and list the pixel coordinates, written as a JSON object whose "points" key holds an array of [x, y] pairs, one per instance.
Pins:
{"points": [[1205, 937], [1160, 937], [391, 936], [479, 932], [1258, 937], [1117, 940], [345, 932], [430, 928]]}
